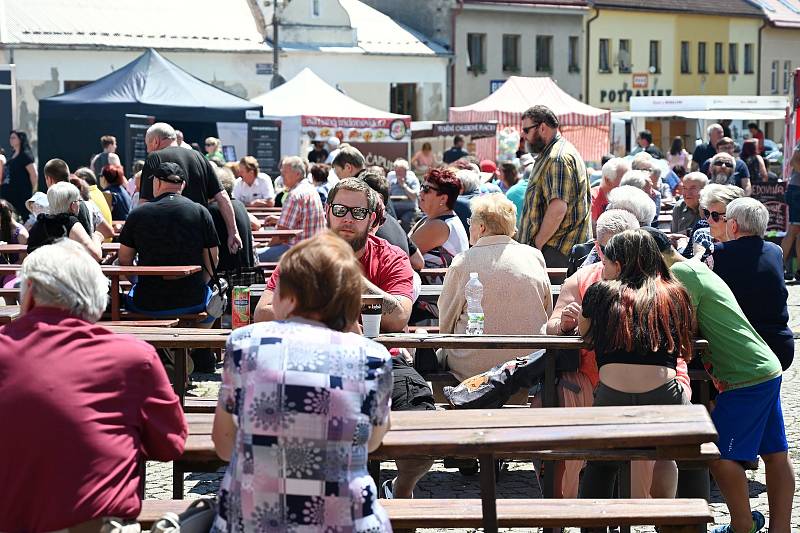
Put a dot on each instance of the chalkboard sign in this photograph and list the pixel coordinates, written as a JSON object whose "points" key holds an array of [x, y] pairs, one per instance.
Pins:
{"points": [[264, 143], [135, 148], [771, 194]]}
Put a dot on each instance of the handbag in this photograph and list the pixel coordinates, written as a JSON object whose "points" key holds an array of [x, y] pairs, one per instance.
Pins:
{"points": [[218, 302], [197, 518]]}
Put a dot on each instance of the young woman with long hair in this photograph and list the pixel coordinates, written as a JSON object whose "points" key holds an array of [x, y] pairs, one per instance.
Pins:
{"points": [[639, 320]]}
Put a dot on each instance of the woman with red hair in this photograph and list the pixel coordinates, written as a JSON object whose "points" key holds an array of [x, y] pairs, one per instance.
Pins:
{"points": [[439, 235], [639, 321], [113, 182]]}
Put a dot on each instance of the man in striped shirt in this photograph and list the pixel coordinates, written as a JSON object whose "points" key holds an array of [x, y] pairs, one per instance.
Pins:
{"points": [[557, 211], [302, 209]]}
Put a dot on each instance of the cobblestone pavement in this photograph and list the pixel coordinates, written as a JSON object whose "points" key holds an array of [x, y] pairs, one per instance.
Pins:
{"points": [[518, 479]]}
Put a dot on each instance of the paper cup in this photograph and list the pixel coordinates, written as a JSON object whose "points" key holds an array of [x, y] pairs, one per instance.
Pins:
{"points": [[371, 308]]}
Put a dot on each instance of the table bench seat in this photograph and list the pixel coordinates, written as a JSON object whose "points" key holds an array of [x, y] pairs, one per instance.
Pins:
{"points": [[679, 515]]}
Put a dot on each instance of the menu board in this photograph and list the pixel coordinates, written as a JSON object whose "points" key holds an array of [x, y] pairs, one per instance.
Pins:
{"points": [[264, 143], [135, 148], [771, 194]]}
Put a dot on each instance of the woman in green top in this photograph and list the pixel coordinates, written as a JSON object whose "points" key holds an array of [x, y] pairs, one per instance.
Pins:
{"points": [[214, 149]]}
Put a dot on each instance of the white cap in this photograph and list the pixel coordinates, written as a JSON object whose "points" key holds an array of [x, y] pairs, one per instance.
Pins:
{"points": [[333, 142]]}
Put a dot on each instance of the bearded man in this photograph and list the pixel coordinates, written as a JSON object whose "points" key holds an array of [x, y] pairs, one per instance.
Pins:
{"points": [[350, 213], [556, 214]]}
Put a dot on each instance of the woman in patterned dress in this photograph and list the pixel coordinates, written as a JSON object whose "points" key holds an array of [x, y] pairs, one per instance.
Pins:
{"points": [[302, 403]]}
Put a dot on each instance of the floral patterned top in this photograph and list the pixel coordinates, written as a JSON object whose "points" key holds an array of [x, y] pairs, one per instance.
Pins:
{"points": [[305, 399]]}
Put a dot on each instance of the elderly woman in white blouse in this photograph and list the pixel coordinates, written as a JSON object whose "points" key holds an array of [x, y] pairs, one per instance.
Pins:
{"points": [[516, 287]]}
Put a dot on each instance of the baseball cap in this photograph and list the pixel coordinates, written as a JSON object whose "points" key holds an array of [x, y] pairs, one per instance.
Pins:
{"points": [[170, 172], [488, 165]]}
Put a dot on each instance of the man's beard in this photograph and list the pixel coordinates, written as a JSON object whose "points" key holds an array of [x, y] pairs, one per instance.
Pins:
{"points": [[536, 146], [721, 178], [356, 242]]}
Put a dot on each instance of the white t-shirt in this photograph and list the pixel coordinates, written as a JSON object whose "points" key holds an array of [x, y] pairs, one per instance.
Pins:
{"points": [[261, 189]]}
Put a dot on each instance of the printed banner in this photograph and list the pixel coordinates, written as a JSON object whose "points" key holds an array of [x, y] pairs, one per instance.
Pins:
{"points": [[353, 130]]}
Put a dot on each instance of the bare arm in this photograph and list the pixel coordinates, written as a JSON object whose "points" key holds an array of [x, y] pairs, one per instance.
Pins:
{"points": [[417, 261], [746, 186], [22, 237], [105, 229], [226, 209], [264, 312], [79, 235], [378, 432], [223, 433], [33, 175], [395, 310], [555, 213], [569, 294], [430, 234], [762, 168]]}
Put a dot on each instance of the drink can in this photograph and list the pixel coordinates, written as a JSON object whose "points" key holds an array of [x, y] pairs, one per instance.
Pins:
{"points": [[240, 314]]}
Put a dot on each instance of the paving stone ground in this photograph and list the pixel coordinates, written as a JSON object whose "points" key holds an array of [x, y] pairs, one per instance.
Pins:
{"points": [[518, 479]]}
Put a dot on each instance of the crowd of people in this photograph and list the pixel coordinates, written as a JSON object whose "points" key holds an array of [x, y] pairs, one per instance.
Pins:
{"points": [[305, 397]]}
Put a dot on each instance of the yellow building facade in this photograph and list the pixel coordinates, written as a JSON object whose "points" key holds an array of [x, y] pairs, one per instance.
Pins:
{"points": [[659, 53]]}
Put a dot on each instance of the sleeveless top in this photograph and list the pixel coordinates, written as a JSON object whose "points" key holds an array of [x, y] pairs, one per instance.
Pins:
{"points": [[457, 242]]}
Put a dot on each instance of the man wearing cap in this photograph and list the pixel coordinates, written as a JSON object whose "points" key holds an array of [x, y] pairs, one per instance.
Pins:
{"points": [[169, 230], [201, 181]]}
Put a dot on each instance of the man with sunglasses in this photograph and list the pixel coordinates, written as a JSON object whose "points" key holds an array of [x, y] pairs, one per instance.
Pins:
{"points": [[556, 214], [726, 168]]}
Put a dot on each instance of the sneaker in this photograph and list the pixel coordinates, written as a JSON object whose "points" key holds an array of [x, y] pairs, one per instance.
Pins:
{"points": [[758, 523], [387, 489]]}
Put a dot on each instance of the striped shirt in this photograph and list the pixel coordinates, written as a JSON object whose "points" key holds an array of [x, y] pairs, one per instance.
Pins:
{"points": [[559, 172], [302, 209]]}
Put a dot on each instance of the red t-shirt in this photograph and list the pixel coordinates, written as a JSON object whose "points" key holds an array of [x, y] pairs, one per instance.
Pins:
{"points": [[383, 264], [599, 202], [80, 407]]}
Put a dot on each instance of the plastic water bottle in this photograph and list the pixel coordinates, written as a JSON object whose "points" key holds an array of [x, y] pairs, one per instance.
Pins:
{"points": [[474, 294]]}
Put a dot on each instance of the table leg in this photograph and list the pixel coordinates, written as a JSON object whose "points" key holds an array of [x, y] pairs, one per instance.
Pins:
{"points": [[177, 480], [115, 304], [374, 469], [181, 355], [549, 387], [488, 493]]}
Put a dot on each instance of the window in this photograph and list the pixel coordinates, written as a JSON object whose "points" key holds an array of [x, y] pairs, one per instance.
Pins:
{"points": [[733, 56], [544, 53], [748, 58], [719, 66], [624, 56], [511, 53], [774, 77], [404, 99], [476, 52], [603, 65], [685, 68], [787, 76], [701, 58], [574, 54], [314, 8], [655, 56]]}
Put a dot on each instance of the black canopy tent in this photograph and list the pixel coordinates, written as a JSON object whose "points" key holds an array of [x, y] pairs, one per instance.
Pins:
{"points": [[71, 124]]}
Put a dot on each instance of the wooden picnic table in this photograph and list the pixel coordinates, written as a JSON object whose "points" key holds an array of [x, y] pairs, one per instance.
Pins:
{"points": [[556, 275], [22, 249], [8, 313], [267, 234], [657, 431]]}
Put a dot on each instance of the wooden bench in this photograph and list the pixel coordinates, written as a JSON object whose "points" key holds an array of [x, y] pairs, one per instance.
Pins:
{"points": [[556, 275], [671, 516]]}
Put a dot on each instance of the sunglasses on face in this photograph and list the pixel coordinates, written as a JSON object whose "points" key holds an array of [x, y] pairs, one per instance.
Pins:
{"points": [[714, 215], [359, 213], [727, 164], [425, 187], [531, 127]]}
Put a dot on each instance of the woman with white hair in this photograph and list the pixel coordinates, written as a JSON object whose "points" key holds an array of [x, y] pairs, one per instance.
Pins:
{"points": [[516, 287], [711, 229], [635, 201], [753, 269], [62, 222]]}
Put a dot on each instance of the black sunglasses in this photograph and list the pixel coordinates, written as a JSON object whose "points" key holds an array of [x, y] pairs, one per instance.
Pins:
{"points": [[425, 187], [727, 164], [359, 213], [715, 216], [531, 127]]}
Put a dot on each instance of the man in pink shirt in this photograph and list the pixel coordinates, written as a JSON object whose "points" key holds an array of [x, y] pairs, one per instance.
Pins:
{"points": [[81, 407]]}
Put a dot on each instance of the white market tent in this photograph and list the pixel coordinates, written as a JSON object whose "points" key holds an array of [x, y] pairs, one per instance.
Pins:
{"points": [[309, 96], [586, 127]]}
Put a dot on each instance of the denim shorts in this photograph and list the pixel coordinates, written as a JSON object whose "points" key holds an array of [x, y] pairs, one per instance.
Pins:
{"points": [[792, 198]]}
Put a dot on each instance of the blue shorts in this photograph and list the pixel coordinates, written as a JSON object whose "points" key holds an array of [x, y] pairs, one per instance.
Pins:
{"points": [[169, 313], [750, 421], [792, 198]]}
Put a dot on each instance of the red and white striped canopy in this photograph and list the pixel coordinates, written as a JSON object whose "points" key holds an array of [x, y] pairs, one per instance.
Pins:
{"points": [[587, 127]]}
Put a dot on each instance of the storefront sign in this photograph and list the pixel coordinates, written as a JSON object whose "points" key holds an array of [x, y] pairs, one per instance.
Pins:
{"points": [[382, 154], [354, 130], [495, 84], [476, 130], [771, 194], [264, 143], [624, 95], [640, 81]]}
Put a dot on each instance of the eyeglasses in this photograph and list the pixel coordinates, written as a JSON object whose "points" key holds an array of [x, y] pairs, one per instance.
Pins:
{"points": [[715, 216], [425, 187], [210, 144], [359, 213], [727, 164], [531, 127]]}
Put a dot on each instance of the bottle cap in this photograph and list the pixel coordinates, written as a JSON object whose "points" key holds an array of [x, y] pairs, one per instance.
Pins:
{"points": [[473, 274]]}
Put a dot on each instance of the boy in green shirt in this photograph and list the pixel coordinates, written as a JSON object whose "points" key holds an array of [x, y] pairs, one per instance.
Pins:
{"points": [[748, 414]]}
